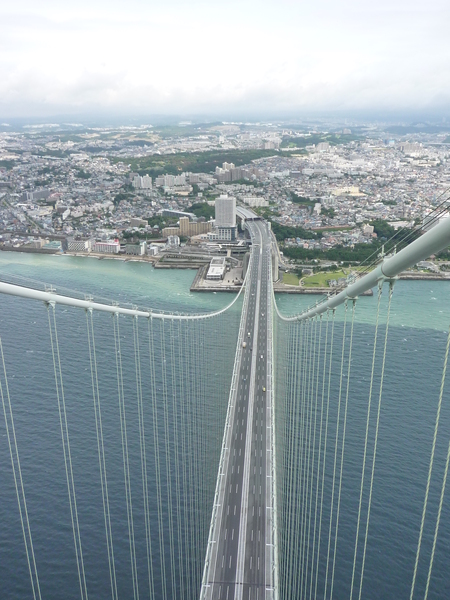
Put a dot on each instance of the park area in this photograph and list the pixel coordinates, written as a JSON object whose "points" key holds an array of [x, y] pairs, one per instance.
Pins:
{"points": [[319, 280]]}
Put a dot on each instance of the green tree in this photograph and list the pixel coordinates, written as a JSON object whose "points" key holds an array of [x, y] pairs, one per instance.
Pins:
{"points": [[202, 209], [283, 232]]}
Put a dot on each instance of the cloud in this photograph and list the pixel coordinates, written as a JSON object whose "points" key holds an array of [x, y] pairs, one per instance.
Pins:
{"points": [[207, 57]]}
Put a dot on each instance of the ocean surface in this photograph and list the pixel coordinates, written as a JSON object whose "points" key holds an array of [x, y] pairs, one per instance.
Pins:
{"points": [[419, 321]]}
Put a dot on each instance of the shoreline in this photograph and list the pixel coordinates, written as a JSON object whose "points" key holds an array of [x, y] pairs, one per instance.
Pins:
{"points": [[200, 284]]}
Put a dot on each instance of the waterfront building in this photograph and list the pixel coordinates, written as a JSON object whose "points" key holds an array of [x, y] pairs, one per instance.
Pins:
{"points": [[107, 247], [173, 241], [139, 249], [217, 268], [81, 245]]}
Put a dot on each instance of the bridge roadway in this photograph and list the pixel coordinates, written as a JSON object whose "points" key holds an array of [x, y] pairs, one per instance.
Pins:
{"points": [[240, 563]]}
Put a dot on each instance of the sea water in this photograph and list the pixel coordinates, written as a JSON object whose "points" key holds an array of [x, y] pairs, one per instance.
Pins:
{"points": [[420, 316]]}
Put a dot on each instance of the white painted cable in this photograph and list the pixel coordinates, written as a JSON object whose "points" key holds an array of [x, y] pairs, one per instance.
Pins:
{"points": [[101, 452], [18, 482], [344, 430], [336, 442], [391, 290], [125, 455], [366, 437]]}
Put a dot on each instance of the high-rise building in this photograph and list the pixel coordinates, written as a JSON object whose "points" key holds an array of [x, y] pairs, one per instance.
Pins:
{"points": [[223, 176], [184, 226], [142, 182], [180, 180], [146, 182], [187, 228], [225, 211]]}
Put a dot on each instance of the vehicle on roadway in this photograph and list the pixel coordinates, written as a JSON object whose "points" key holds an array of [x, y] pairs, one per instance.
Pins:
{"points": [[264, 389], [244, 344], [248, 334]]}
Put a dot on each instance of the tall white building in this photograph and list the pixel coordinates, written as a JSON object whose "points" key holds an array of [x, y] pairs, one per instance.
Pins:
{"points": [[142, 182], [146, 182], [225, 211]]}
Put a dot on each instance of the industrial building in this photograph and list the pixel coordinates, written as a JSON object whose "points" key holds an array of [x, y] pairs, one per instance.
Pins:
{"points": [[217, 268]]}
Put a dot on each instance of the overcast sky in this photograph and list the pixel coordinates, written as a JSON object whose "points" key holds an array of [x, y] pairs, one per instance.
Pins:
{"points": [[195, 56]]}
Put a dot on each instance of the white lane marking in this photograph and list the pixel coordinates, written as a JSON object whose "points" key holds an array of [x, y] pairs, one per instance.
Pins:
{"points": [[246, 475]]}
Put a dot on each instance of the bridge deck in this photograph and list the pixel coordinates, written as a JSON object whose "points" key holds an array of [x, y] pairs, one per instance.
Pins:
{"points": [[240, 560]]}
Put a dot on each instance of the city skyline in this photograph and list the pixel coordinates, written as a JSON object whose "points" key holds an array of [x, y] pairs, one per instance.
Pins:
{"points": [[252, 58]]}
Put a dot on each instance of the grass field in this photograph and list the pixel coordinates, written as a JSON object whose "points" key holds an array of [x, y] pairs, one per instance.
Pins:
{"points": [[290, 278], [320, 279]]}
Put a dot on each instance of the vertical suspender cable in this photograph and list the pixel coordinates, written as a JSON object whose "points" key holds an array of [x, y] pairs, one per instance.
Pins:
{"points": [[176, 407], [312, 442], [196, 453], [151, 341], [301, 487], [143, 451], [307, 462], [202, 437], [369, 403], [316, 395], [297, 481], [324, 452], [191, 456], [430, 468], [299, 349], [66, 448], [391, 290], [319, 455], [344, 428], [101, 452], [185, 460], [303, 464], [438, 519], [125, 457], [167, 455], [18, 482], [336, 449], [294, 346]]}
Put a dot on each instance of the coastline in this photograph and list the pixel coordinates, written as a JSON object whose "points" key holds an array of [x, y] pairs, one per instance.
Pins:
{"points": [[201, 284]]}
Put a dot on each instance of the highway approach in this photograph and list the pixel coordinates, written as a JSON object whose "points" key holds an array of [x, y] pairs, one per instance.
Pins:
{"points": [[241, 556]]}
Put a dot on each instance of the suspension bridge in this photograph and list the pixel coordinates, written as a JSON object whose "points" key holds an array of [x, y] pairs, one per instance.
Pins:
{"points": [[226, 455]]}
